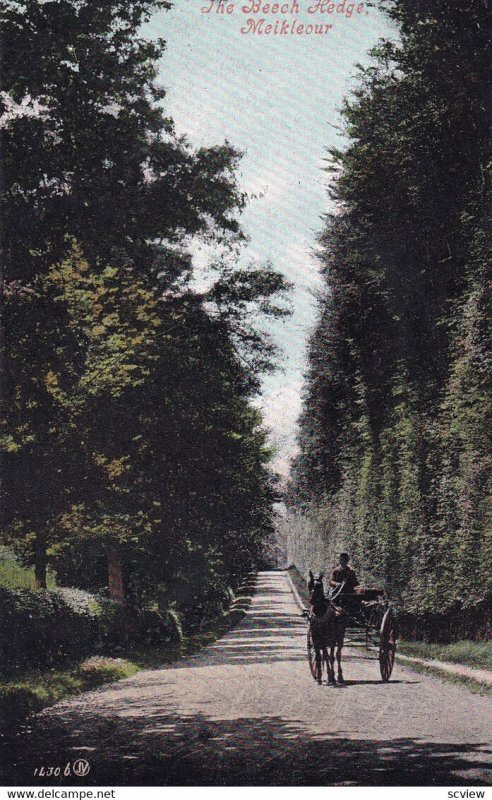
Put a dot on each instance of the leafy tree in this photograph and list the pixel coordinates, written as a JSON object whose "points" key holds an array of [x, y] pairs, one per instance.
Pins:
{"points": [[127, 391], [87, 150], [142, 403]]}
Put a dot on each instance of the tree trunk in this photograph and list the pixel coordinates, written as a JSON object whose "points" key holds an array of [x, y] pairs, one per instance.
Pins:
{"points": [[40, 562], [116, 577]]}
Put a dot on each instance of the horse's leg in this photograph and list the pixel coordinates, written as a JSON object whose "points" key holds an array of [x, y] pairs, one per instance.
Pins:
{"points": [[319, 666], [339, 663], [326, 660], [331, 668], [341, 638]]}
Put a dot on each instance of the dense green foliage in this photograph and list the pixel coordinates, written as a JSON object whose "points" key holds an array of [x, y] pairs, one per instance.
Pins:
{"points": [[394, 460], [67, 625], [15, 575], [87, 150], [127, 421]]}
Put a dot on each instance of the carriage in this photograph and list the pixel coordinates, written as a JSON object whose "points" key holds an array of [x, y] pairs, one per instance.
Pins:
{"points": [[366, 611]]}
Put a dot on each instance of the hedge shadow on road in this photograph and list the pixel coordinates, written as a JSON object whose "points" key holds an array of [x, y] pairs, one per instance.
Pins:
{"points": [[155, 748]]}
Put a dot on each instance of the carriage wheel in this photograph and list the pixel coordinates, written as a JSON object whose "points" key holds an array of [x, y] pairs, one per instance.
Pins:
{"points": [[312, 658], [387, 646]]}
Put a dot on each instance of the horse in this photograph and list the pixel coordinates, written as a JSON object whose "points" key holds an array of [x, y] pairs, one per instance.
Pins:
{"points": [[327, 624]]}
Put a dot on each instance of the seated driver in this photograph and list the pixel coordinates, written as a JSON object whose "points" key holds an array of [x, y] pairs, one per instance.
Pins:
{"points": [[343, 578]]}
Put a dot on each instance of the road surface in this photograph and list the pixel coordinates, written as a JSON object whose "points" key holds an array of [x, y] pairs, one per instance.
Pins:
{"points": [[246, 711]]}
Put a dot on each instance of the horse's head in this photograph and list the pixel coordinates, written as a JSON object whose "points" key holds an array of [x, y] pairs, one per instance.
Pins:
{"points": [[317, 593], [314, 580]]}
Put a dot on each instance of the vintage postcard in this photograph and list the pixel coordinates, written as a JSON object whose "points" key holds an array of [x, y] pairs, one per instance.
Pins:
{"points": [[245, 372]]}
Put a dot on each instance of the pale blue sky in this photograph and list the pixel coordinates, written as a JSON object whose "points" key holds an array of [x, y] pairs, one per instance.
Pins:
{"points": [[274, 98]]}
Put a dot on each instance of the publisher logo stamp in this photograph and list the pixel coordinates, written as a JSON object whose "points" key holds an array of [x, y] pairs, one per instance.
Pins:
{"points": [[81, 768]]}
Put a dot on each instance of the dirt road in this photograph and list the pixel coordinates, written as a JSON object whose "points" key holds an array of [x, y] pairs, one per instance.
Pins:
{"points": [[246, 711]]}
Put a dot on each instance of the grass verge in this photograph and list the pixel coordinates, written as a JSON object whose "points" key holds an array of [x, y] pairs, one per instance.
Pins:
{"points": [[33, 691], [474, 686], [470, 654]]}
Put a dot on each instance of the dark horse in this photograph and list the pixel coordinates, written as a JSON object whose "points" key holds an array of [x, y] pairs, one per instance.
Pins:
{"points": [[327, 624]]}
